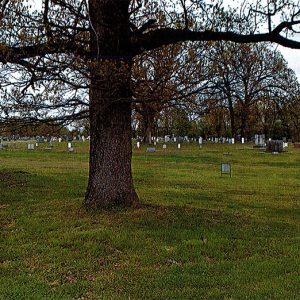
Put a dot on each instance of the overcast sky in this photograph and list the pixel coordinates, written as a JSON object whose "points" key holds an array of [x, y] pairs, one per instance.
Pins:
{"points": [[293, 58]]}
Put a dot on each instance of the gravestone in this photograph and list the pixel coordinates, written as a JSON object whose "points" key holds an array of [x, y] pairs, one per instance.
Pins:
{"points": [[151, 150], [71, 149], [59, 140], [164, 146], [30, 147], [243, 140], [260, 140], [178, 146], [275, 146], [138, 145], [69, 145], [226, 169], [200, 140]]}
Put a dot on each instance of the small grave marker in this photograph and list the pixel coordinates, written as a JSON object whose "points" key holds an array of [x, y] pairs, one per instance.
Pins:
{"points": [[138, 145], [178, 146], [30, 147], [69, 145], [226, 169], [164, 146], [151, 150]]}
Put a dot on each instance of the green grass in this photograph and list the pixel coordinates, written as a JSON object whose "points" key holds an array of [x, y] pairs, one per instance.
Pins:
{"points": [[198, 236]]}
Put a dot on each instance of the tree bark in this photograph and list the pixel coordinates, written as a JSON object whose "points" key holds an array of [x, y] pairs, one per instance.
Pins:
{"points": [[110, 176]]}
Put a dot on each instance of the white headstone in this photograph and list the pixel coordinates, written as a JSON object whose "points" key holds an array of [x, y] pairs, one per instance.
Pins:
{"points": [[69, 145], [59, 140], [178, 146], [200, 140], [164, 146], [138, 145], [232, 141], [243, 141], [36, 144]]}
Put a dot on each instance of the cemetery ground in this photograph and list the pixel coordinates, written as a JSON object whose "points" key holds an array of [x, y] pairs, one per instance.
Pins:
{"points": [[198, 235]]}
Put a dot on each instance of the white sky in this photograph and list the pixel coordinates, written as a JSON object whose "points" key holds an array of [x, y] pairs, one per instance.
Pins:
{"points": [[293, 58]]}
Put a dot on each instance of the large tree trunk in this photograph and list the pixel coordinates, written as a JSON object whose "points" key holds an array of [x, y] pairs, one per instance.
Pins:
{"points": [[110, 177]]}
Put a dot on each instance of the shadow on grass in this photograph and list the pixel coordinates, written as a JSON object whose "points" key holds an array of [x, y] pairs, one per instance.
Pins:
{"points": [[53, 249]]}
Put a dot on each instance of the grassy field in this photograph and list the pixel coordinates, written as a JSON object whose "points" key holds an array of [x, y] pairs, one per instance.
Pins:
{"points": [[199, 235]]}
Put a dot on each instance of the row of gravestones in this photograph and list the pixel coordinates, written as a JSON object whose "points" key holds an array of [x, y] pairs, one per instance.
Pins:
{"points": [[54, 139], [33, 146], [270, 145]]}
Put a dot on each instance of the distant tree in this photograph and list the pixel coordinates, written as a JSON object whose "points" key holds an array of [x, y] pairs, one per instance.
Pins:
{"points": [[165, 77], [243, 75], [17, 127]]}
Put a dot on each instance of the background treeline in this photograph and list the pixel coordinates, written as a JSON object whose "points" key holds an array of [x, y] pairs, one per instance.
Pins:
{"points": [[191, 89], [226, 90]]}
